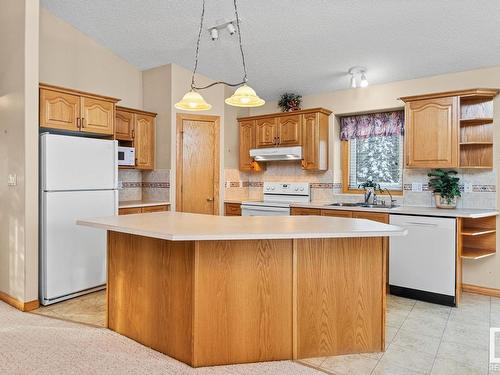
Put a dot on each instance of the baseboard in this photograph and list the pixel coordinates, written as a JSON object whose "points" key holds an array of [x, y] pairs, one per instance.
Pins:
{"points": [[492, 292], [14, 302]]}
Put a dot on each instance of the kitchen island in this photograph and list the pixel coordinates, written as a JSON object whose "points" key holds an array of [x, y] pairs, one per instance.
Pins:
{"points": [[213, 290]]}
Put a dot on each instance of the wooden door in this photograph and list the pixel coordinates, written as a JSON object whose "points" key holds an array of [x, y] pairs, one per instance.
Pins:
{"points": [[144, 141], [98, 116], [124, 125], [289, 130], [59, 110], [266, 132], [247, 142], [198, 164], [432, 133]]}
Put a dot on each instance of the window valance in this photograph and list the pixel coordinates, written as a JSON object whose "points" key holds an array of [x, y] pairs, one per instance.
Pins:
{"points": [[372, 125]]}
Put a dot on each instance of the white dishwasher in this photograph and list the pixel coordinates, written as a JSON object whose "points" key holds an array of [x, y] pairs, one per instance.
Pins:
{"points": [[422, 263]]}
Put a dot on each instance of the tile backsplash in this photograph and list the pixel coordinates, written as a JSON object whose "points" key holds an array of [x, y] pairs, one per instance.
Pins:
{"points": [[144, 185], [478, 186]]}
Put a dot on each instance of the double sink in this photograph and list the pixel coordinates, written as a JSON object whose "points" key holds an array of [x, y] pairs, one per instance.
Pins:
{"points": [[362, 204]]}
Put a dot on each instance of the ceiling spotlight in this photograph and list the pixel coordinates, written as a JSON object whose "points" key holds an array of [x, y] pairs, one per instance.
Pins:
{"points": [[230, 27], [353, 81], [214, 33], [355, 72], [364, 80]]}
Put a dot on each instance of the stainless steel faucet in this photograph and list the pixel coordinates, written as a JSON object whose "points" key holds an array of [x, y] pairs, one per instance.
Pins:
{"points": [[393, 201]]}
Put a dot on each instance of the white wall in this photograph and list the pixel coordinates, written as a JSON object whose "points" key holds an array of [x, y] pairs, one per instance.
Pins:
{"points": [[19, 149], [71, 59], [485, 272]]}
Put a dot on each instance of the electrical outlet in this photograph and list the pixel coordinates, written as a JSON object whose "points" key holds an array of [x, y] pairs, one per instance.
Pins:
{"points": [[467, 188], [12, 180], [240, 184], [416, 187], [228, 184], [120, 185]]}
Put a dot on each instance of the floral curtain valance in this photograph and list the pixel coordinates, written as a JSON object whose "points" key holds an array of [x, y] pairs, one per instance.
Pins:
{"points": [[372, 125]]}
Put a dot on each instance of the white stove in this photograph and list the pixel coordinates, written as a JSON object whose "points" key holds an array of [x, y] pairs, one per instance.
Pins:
{"points": [[277, 199]]}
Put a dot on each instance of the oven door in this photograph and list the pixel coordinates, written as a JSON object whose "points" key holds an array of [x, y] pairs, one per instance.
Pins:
{"points": [[258, 210]]}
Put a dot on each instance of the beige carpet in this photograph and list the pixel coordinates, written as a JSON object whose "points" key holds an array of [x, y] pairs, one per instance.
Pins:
{"points": [[33, 344]]}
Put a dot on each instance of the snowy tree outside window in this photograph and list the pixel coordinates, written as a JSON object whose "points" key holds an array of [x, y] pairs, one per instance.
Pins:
{"points": [[375, 148], [379, 159]]}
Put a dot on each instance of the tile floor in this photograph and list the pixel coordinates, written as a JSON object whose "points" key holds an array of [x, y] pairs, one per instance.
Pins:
{"points": [[423, 338], [88, 309]]}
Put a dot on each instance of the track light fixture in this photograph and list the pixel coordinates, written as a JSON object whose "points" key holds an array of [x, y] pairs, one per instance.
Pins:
{"points": [[221, 25], [358, 72], [244, 96]]}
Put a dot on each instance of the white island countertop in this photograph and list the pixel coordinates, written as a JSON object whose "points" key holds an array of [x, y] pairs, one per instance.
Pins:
{"points": [[407, 210], [178, 226]]}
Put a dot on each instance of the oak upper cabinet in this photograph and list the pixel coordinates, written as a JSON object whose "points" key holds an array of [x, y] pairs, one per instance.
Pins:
{"points": [[247, 142], [124, 125], [315, 140], [59, 110], [307, 128], [144, 141], [266, 132], [290, 130], [66, 109], [432, 132], [97, 116]]}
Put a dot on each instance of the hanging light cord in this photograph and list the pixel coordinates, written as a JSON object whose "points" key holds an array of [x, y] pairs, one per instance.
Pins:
{"points": [[245, 79]]}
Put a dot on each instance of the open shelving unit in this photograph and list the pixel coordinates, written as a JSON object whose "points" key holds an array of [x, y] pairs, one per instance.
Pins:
{"points": [[476, 128], [477, 237]]}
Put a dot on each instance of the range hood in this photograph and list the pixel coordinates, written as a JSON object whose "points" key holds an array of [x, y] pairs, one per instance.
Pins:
{"points": [[276, 153]]}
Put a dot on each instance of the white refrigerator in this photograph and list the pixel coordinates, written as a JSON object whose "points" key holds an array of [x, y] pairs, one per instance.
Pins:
{"points": [[79, 178]]}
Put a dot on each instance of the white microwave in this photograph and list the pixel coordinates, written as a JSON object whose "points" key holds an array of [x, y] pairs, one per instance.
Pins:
{"points": [[126, 156]]}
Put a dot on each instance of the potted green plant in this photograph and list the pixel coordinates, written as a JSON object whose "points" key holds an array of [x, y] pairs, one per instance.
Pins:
{"points": [[445, 187]]}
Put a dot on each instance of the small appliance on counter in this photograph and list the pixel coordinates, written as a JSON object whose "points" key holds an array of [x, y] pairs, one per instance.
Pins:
{"points": [[78, 179], [126, 156], [277, 199]]}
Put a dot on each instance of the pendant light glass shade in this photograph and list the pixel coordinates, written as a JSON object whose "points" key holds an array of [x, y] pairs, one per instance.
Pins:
{"points": [[193, 101], [245, 96]]}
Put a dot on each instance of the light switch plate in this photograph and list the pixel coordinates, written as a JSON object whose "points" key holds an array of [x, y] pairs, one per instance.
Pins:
{"points": [[12, 180], [416, 187]]}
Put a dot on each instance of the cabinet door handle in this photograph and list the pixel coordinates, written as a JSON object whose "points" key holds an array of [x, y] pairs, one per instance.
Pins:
{"points": [[78, 125], [417, 224], [83, 122], [133, 133]]}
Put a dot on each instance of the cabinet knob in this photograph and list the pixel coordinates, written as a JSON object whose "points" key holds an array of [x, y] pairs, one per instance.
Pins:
{"points": [[210, 199]]}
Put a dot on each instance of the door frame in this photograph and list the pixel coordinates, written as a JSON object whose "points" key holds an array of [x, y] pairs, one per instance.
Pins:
{"points": [[179, 152]]}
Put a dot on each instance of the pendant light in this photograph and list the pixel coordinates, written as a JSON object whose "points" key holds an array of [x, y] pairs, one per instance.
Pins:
{"points": [[244, 96]]}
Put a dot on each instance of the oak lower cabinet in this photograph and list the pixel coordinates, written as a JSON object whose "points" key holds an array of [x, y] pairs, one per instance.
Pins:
{"points": [[142, 210], [306, 128], [137, 128], [336, 213], [375, 216], [305, 211], [76, 111], [232, 209]]}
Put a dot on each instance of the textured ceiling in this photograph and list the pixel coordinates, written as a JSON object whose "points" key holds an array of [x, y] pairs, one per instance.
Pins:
{"points": [[304, 46]]}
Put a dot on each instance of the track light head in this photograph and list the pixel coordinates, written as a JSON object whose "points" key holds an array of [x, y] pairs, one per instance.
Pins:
{"points": [[214, 33], [230, 28], [364, 80]]}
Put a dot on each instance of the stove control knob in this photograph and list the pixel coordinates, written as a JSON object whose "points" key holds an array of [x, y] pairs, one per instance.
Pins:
{"points": [[272, 188], [301, 189], [268, 188], [296, 189]]}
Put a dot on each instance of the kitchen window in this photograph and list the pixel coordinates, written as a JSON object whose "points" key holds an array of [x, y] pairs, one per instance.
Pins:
{"points": [[373, 150]]}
